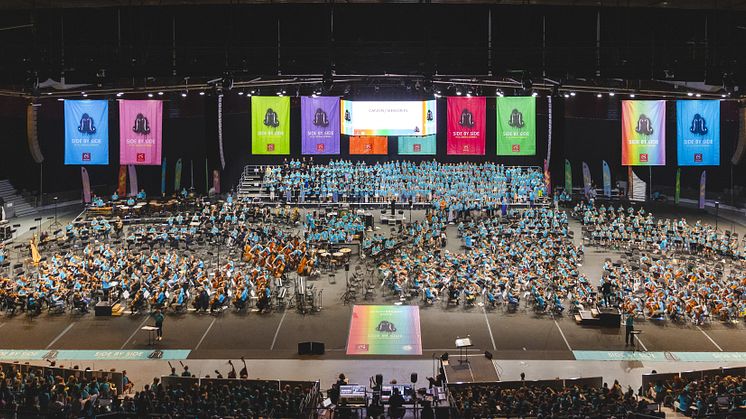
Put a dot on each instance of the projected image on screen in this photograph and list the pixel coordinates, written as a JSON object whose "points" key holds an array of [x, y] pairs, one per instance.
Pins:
{"points": [[385, 330], [388, 118]]}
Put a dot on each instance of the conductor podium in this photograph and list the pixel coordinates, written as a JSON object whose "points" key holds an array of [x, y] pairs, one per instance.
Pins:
{"points": [[601, 317]]}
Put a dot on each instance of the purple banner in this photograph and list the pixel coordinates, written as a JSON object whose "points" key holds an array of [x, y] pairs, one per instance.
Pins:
{"points": [[320, 125]]}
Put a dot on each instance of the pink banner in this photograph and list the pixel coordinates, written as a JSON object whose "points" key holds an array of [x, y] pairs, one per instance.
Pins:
{"points": [[133, 180], [466, 125], [140, 132], [86, 185], [216, 181]]}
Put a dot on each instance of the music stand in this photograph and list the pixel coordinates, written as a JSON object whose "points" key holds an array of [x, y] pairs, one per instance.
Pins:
{"points": [[463, 345]]}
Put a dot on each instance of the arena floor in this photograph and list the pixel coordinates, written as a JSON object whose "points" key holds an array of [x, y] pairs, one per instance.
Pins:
{"points": [[520, 335]]}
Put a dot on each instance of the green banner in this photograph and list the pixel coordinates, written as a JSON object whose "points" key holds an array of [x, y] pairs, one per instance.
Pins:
{"points": [[568, 177], [516, 126], [677, 193], [270, 125], [417, 145]]}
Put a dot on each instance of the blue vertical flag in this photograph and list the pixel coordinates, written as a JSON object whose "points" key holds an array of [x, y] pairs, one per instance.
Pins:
{"points": [[86, 132], [607, 179], [698, 132]]}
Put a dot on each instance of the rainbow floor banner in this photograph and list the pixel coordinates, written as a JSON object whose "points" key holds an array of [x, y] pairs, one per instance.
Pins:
{"points": [[385, 330], [607, 178], [698, 132], [516, 126], [86, 132], [413, 145], [140, 132], [270, 125], [320, 125], [368, 144], [467, 119], [643, 132]]}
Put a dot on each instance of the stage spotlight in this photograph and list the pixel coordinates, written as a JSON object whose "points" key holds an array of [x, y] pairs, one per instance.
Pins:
{"points": [[690, 94], [85, 94], [723, 96], [631, 95], [572, 93], [82, 93], [60, 99], [240, 93], [698, 95], [566, 96], [150, 95], [183, 94], [612, 94], [534, 94], [120, 94], [160, 93], [201, 93], [599, 95], [458, 92]]}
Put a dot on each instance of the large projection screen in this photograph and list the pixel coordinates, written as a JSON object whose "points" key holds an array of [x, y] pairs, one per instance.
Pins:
{"points": [[388, 118]]}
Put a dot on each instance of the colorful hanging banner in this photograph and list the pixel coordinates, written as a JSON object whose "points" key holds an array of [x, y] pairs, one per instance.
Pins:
{"points": [[365, 144], [467, 119], [163, 177], [132, 169], [413, 145], [568, 177], [140, 132], [216, 181], [86, 132], [698, 132], [643, 132], [587, 182], [702, 185], [547, 178], [177, 176], [122, 181], [516, 126], [86, 185], [319, 125], [607, 179], [270, 125], [677, 191]]}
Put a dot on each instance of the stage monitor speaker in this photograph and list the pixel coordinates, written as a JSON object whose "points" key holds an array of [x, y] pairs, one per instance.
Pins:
{"points": [[103, 309], [304, 348], [413, 377], [741, 145], [318, 348]]}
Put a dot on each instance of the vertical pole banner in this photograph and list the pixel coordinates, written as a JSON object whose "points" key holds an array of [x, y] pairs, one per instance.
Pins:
{"points": [[163, 177], [607, 179], [698, 132], [414, 145], [643, 132], [467, 119], [367, 144], [702, 184], [547, 178], [86, 132], [86, 185], [177, 176], [140, 132], [516, 126], [587, 182], [133, 179], [320, 125], [270, 125], [122, 181], [216, 180], [677, 191], [568, 177]]}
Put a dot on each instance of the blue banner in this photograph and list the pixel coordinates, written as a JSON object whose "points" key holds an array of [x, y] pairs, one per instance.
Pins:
{"points": [[86, 132], [698, 132], [607, 179], [413, 145]]}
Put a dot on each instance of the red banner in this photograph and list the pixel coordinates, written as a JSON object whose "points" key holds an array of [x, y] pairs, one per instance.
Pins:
{"points": [[122, 185], [466, 125], [364, 144]]}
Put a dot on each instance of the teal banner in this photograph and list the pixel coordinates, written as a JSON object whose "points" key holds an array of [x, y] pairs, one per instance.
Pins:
{"points": [[415, 145]]}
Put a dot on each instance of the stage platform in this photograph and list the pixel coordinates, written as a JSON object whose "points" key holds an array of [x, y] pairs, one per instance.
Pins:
{"points": [[475, 368]]}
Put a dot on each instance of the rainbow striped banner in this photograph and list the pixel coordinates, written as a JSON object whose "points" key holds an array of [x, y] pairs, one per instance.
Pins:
{"points": [[385, 330], [643, 133]]}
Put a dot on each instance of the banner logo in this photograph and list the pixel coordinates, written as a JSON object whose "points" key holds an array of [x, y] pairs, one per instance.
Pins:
{"points": [[644, 127], [368, 147], [429, 116], [417, 148], [86, 125], [320, 147], [86, 157], [140, 157], [644, 157], [320, 119], [699, 125], [271, 119], [516, 119], [698, 157], [466, 148], [467, 119], [270, 147], [385, 326], [347, 115], [516, 148], [142, 125]]}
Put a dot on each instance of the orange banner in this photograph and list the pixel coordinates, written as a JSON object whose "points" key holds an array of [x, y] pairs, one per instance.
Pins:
{"points": [[364, 144]]}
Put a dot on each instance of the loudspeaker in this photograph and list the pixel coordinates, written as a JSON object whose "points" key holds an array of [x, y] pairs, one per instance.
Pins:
{"points": [[741, 146], [413, 377], [304, 348], [32, 132], [379, 379], [318, 348]]}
